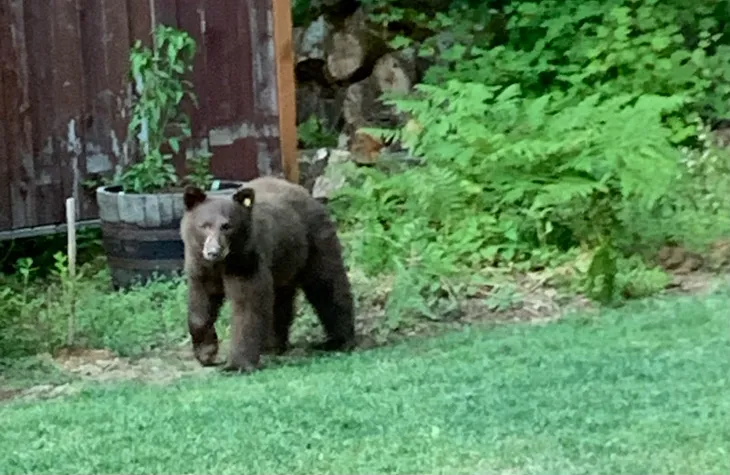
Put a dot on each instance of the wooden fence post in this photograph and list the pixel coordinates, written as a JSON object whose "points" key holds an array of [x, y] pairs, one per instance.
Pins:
{"points": [[286, 88]]}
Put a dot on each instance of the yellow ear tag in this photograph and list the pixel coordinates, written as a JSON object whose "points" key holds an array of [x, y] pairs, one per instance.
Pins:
{"points": [[247, 202]]}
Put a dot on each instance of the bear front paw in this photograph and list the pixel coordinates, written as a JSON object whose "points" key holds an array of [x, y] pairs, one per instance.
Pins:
{"points": [[205, 353]]}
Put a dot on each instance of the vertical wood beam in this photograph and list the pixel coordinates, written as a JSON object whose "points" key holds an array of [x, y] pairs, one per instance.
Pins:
{"points": [[286, 88]]}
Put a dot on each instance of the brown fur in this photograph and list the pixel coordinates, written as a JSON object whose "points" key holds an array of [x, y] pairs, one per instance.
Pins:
{"points": [[257, 249]]}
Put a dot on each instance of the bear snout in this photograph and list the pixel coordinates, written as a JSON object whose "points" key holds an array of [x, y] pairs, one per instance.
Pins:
{"points": [[212, 249], [211, 254]]}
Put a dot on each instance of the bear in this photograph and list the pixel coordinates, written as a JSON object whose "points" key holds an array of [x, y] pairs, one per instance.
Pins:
{"points": [[257, 248]]}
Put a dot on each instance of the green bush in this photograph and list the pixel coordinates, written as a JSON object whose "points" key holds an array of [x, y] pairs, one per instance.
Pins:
{"points": [[613, 48], [34, 313], [551, 126], [508, 177]]}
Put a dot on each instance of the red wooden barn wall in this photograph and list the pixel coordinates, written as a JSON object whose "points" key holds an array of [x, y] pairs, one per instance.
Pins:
{"points": [[64, 102]]}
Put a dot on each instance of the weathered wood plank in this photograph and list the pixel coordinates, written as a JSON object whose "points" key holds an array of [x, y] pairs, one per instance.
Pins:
{"points": [[229, 91], [192, 19], [36, 187], [261, 28], [222, 50], [286, 89], [6, 203], [165, 12], [23, 109], [68, 96], [105, 52], [139, 13], [45, 230]]}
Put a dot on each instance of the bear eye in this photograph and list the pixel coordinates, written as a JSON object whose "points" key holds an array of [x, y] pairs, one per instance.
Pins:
{"points": [[225, 226], [205, 225]]}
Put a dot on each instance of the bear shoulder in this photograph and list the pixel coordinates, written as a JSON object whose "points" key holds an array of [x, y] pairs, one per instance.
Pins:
{"points": [[313, 213], [286, 193]]}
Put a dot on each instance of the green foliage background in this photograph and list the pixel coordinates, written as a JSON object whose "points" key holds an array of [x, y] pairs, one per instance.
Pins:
{"points": [[551, 129]]}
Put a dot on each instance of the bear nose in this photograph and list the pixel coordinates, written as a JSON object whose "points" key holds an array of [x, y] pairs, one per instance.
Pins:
{"points": [[212, 253]]}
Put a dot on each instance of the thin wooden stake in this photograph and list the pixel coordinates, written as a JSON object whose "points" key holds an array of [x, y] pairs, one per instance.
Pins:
{"points": [[71, 229]]}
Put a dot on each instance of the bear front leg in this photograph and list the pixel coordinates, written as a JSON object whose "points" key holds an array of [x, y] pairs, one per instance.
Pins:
{"points": [[252, 305], [204, 306]]}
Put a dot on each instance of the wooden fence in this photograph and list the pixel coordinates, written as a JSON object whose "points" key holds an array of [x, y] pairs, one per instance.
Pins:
{"points": [[65, 96]]}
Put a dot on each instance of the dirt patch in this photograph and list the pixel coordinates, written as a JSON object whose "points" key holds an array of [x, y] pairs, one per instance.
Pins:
{"points": [[103, 365], [697, 283], [49, 391], [9, 393]]}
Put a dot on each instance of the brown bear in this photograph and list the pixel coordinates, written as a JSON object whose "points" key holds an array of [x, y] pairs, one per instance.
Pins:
{"points": [[257, 248]]}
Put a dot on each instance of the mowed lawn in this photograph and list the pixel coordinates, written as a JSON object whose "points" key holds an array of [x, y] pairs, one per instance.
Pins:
{"points": [[643, 389]]}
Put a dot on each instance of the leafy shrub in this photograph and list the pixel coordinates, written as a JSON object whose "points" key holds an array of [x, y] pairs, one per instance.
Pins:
{"points": [[613, 48], [507, 175], [34, 313], [545, 127], [697, 212], [313, 133], [158, 74]]}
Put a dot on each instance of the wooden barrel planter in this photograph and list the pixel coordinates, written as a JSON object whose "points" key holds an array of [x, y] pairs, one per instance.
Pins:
{"points": [[141, 232]]}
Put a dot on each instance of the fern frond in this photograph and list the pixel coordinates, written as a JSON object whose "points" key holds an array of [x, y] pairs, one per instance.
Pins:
{"points": [[564, 191]]}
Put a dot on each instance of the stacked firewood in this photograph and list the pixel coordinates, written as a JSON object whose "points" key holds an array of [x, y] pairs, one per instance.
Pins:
{"points": [[343, 65]]}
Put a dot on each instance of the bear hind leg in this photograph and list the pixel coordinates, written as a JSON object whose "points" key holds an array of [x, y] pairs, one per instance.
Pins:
{"points": [[326, 285], [327, 289], [283, 317]]}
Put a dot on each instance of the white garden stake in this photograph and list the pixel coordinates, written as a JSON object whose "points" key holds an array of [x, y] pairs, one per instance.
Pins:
{"points": [[71, 245]]}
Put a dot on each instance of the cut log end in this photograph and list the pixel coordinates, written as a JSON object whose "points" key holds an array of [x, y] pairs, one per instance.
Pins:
{"points": [[365, 148], [310, 42], [363, 105], [393, 74], [346, 56]]}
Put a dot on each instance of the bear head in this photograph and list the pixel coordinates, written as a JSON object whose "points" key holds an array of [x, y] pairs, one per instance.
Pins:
{"points": [[212, 224]]}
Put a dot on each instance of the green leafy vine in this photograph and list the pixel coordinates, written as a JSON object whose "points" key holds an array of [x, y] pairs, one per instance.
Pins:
{"points": [[158, 75]]}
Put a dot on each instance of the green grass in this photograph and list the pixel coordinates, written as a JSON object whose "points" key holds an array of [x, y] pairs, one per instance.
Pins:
{"points": [[643, 389]]}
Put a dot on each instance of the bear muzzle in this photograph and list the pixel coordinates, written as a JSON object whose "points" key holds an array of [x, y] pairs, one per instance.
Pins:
{"points": [[212, 249]]}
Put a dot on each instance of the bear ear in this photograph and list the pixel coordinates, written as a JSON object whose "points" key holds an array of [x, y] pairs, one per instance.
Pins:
{"points": [[193, 196], [244, 197]]}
